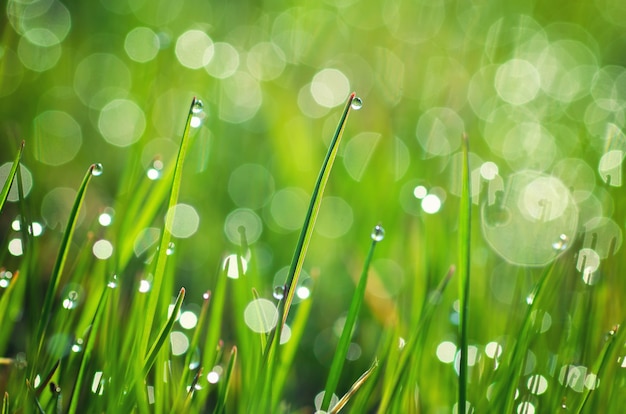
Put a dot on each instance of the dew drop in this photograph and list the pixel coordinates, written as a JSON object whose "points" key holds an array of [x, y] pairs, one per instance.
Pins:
{"points": [[197, 106], [112, 283], [378, 233], [71, 301], [206, 295], [78, 345], [170, 249], [279, 292], [97, 169], [561, 243], [357, 103]]}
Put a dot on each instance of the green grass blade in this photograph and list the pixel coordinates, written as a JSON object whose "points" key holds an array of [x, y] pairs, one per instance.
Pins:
{"points": [[346, 335], [160, 292], [355, 387], [615, 336], [5, 403], [163, 334], [89, 346], [313, 210], [464, 274], [11, 177], [46, 313], [225, 384]]}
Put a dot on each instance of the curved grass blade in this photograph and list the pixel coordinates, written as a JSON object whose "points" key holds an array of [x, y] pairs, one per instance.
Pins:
{"points": [[11, 177], [5, 403], [355, 387], [615, 336], [46, 313], [464, 274], [160, 294], [225, 385], [313, 210], [346, 335], [163, 334], [89, 345]]}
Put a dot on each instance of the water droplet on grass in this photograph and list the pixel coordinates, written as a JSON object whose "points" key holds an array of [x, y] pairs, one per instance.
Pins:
{"points": [[170, 249], [561, 243], [197, 106], [378, 233], [357, 103], [113, 282], [97, 169], [279, 292], [71, 301], [78, 345]]}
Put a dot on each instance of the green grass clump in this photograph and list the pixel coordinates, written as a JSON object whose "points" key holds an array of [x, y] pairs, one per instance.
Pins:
{"points": [[105, 335]]}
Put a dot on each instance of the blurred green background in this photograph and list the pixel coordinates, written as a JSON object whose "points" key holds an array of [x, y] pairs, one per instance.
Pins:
{"points": [[539, 88]]}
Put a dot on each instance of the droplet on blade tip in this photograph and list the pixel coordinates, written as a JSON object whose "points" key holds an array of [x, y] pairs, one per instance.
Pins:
{"points": [[378, 233], [279, 292], [357, 103], [197, 106], [97, 169]]}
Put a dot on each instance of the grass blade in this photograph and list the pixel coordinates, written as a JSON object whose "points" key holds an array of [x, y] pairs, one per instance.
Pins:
{"points": [[225, 385], [464, 274], [163, 334], [11, 177], [59, 265], [355, 387], [313, 210], [346, 335], [5, 403], [160, 292]]}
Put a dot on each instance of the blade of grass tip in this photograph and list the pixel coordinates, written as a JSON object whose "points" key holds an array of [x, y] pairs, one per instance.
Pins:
{"points": [[5, 403], [346, 335], [613, 336], [225, 383], [86, 355], [187, 403], [160, 294], [464, 274], [163, 334], [306, 233], [10, 178], [355, 387], [410, 349], [46, 313], [314, 206]]}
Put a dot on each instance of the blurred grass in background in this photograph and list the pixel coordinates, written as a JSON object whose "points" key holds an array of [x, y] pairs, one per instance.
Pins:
{"points": [[539, 87]]}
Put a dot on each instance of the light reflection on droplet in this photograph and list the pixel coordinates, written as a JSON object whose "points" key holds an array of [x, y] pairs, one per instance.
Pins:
{"points": [[420, 191], [179, 342], [171, 248], [537, 384], [446, 351], [561, 243], [97, 169], [112, 284], [235, 266], [71, 301], [144, 286], [431, 204], [261, 315], [15, 247], [357, 103], [78, 345], [106, 217], [378, 234], [102, 249], [188, 320], [279, 292]]}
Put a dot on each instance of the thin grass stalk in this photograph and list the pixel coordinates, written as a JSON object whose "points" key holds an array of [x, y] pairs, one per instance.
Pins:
{"points": [[226, 382], [59, 265], [6, 403], [299, 255], [339, 357], [464, 274], [4, 194], [158, 294], [354, 388], [89, 346], [313, 210]]}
